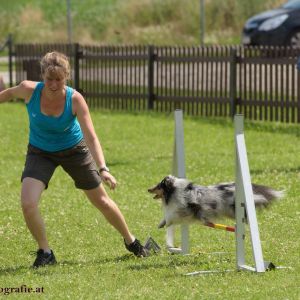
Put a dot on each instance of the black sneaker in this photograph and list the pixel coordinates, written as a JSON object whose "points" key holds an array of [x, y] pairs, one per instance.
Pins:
{"points": [[137, 248], [43, 259]]}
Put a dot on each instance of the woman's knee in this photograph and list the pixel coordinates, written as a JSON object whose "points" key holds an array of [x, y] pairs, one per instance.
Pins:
{"points": [[28, 205], [104, 202], [100, 198], [30, 194]]}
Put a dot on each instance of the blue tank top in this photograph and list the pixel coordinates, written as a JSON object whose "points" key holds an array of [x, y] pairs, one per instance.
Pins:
{"points": [[50, 133]]}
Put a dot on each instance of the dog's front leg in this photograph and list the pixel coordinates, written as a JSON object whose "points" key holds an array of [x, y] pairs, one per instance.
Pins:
{"points": [[162, 223]]}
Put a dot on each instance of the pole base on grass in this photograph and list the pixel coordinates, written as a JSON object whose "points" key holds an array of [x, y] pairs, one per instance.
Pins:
{"points": [[152, 245], [174, 250], [269, 266]]}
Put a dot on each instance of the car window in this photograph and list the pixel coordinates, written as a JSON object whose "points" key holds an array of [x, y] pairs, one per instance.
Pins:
{"points": [[292, 4]]}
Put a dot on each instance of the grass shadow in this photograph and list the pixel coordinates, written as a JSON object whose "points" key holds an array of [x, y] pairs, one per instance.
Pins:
{"points": [[174, 262], [277, 170], [22, 268], [120, 163], [102, 261], [13, 270], [285, 128], [265, 126]]}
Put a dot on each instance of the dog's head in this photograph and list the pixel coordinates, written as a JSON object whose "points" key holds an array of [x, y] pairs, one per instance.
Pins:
{"points": [[163, 189]]}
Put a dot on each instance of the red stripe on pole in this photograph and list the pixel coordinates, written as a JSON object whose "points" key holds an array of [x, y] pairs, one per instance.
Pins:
{"points": [[230, 228]]}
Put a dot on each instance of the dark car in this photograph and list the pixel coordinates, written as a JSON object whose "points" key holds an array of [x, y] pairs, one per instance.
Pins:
{"points": [[280, 26]]}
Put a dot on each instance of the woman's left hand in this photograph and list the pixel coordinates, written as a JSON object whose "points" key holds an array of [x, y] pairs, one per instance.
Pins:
{"points": [[108, 179]]}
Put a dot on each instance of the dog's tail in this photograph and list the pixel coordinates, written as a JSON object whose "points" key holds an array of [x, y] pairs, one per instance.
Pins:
{"points": [[264, 195]]}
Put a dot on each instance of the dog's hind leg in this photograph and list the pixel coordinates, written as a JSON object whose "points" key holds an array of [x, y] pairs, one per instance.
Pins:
{"points": [[197, 212]]}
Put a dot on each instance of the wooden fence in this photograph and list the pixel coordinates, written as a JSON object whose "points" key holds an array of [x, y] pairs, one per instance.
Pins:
{"points": [[261, 83]]}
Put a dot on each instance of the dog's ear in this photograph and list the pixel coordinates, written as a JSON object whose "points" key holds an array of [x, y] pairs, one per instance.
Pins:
{"points": [[168, 181]]}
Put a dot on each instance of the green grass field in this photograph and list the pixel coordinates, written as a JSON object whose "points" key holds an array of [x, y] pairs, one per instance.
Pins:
{"points": [[93, 263]]}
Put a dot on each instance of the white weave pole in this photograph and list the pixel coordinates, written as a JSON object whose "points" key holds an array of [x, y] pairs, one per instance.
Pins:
{"points": [[178, 171], [244, 200]]}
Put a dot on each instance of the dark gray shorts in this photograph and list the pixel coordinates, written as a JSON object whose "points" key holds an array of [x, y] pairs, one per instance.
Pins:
{"points": [[76, 161]]}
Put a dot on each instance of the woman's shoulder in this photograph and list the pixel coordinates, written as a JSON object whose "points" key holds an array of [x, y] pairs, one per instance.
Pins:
{"points": [[28, 87], [78, 101], [28, 84], [76, 96], [23, 90]]}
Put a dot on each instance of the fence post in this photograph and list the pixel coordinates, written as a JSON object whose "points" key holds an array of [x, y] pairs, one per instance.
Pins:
{"points": [[233, 83], [151, 57], [77, 55], [10, 59]]}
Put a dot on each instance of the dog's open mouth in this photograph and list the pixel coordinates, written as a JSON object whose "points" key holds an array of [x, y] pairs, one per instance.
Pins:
{"points": [[158, 193]]}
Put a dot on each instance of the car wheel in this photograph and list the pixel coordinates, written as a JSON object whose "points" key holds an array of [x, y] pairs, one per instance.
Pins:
{"points": [[294, 39]]}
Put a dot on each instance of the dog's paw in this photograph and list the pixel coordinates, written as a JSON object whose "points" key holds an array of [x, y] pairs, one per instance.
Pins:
{"points": [[161, 224]]}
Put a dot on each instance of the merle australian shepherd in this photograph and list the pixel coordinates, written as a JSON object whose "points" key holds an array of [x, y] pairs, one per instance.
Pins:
{"points": [[185, 202]]}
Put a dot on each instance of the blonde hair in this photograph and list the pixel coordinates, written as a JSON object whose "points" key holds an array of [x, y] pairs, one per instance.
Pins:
{"points": [[56, 64]]}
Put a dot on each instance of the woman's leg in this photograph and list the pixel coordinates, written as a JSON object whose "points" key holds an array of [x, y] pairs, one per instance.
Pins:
{"points": [[113, 215], [30, 196], [100, 199]]}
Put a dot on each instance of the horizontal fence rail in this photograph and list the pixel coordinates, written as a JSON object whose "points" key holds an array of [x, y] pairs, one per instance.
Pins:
{"points": [[260, 82]]}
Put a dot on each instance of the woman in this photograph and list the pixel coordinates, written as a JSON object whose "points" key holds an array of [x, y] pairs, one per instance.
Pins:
{"points": [[62, 133]]}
